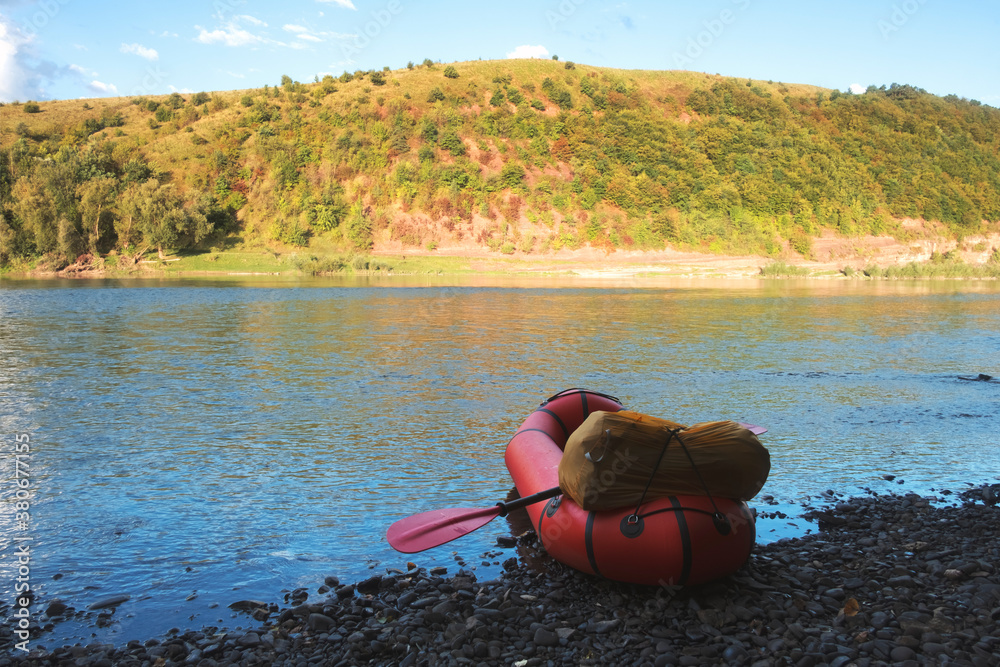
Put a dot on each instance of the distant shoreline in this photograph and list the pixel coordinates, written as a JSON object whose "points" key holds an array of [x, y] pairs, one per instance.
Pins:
{"points": [[582, 263], [833, 257]]}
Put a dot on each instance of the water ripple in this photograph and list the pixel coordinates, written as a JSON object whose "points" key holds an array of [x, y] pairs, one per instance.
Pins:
{"points": [[238, 441]]}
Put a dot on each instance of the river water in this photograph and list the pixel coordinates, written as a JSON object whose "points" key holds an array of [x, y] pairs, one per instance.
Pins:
{"points": [[194, 443]]}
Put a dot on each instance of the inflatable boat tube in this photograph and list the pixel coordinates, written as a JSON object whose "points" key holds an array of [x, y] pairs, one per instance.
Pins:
{"points": [[671, 541]]}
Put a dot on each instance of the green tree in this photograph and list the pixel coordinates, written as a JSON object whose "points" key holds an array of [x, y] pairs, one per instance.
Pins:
{"points": [[69, 244], [330, 216], [359, 228], [128, 208], [165, 220], [45, 201], [512, 175], [429, 132], [451, 142], [451, 72], [97, 197], [36, 212]]}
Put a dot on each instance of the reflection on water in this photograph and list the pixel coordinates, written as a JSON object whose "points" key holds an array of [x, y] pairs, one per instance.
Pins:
{"points": [[229, 440]]}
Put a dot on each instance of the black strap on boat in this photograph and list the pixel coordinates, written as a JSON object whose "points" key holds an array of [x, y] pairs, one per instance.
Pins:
{"points": [[678, 508]]}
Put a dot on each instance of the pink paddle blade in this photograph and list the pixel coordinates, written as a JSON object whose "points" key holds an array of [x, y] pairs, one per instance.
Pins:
{"points": [[436, 527], [753, 428]]}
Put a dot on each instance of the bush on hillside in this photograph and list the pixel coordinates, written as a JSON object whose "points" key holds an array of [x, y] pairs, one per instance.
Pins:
{"points": [[359, 228], [512, 175], [451, 142]]}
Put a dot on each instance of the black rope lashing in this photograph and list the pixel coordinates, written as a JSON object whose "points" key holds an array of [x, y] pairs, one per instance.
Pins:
{"points": [[718, 518], [634, 516]]}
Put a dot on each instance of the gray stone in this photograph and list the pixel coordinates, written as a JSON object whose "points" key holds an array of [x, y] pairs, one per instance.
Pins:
{"points": [[901, 653], [110, 601], [249, 640], [605, 626], [544, 637], [321, 623]]}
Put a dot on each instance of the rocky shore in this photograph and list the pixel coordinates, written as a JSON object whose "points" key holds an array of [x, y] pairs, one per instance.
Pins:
{"points": [[887, 579]]}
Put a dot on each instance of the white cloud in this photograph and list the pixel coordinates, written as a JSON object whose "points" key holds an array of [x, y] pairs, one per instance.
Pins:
{"points": [[343, 3], [236, 75], [857, 88], [12, 77], [23, 74], [526, 51], [252, 19], [103, 88], [231, 35], [78, 69], [141, 51], [303, 33]]}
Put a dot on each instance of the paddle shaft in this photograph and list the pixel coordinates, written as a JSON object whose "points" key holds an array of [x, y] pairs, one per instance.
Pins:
{"points": [[436, 527], [528, 500]]}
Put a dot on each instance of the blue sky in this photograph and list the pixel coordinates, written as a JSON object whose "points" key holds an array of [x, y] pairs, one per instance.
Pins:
{"points": [[59, 49]]}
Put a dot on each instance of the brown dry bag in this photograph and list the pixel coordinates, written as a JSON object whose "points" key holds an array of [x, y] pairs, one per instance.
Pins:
{"points": [[609, 460]]}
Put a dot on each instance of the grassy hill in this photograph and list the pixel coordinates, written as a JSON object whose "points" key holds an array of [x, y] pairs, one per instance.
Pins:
{"points": [[515, 156]]}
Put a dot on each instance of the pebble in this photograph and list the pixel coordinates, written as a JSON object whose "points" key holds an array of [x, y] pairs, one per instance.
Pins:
{"points": [[250, 640], [885, 579], [56, 608], [544, 637], [111, 601]]}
